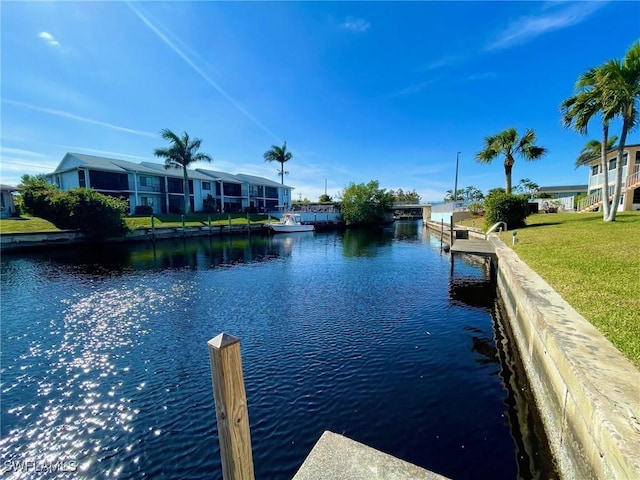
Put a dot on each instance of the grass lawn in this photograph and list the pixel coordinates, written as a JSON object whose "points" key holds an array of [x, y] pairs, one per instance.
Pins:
{"points": [[26, 225], [35, 224], [594, 265], [195, 220]]}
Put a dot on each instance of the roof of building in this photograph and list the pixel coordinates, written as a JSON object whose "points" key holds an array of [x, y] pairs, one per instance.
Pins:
{"points": [[72, 161], [564, 188], [611, 150], [9, 188], [215, 175], [263, 181]]}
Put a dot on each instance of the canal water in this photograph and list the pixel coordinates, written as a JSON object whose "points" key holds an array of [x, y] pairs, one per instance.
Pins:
{"points": [[105, 367]]}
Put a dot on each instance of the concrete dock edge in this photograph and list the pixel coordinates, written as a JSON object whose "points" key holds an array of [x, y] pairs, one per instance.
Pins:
{"points": [[335, 456]]}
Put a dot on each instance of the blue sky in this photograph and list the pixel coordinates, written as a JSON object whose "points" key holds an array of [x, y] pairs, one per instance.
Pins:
{"points": [[360, 91]]}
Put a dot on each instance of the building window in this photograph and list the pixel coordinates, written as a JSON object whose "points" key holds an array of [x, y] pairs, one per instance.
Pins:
{"points": [[594, 170], [612, 164], [82, 181], [625, 159], [146, 201], [145, 181], [206, 185]]}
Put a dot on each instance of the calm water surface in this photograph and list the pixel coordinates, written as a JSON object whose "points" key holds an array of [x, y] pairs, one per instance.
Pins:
{"points": [[105, 363]]}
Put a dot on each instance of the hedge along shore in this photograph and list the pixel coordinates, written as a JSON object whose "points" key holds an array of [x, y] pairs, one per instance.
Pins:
{"points": [[587, 392]]}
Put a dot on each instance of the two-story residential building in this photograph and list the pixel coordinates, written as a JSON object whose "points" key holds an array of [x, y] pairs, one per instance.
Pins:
{"points": [[152, 185], [630, 198]]}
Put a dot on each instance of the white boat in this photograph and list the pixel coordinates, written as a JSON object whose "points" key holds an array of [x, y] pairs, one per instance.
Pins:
{"points": [[290, 222]]}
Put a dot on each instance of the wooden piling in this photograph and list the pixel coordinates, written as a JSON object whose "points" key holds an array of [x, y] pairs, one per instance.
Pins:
{"points": [[231, 408]]}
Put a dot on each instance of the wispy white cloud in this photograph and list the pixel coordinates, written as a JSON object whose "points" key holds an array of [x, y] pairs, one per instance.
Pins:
{"points": [[356, 24], [526, 28], [50, 39], [443, 62], [480, 76], [414, 88], [18, 151], [71, 116], [198, 70]]}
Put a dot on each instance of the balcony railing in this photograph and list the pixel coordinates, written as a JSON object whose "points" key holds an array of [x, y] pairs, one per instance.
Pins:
{"points": [[633, 180]]}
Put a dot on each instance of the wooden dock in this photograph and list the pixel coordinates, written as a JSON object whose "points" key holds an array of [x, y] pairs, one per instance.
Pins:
{"points": [[473, 246]]}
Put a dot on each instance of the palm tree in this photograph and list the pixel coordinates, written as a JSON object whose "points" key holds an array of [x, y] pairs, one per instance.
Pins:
{"points": [[578, 110], [182, 153], [510, 144], [592, 150], [280, 155], [621, 86]]}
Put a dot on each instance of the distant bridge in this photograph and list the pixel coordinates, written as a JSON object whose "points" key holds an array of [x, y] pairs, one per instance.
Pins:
{"points": [[412, 210]]}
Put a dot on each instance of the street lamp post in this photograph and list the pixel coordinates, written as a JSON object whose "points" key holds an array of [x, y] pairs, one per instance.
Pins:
{"points": [[455, 188]]}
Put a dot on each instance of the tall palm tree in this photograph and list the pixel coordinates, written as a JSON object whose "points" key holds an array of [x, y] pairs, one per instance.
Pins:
{"points": [[510, 144], [621, 86], [280, 155], [578, 110], [182, 153], [592, 150]]}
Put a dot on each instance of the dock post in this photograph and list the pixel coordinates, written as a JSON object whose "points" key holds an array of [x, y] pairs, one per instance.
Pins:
{"points": [[451, 231], [231, 408], [209, 222], [153, 228], [183, 227]]}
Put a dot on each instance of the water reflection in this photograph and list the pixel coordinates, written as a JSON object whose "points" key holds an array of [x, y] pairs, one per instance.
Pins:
{"points": [[407, 230], [365, 243], [472, 292]]}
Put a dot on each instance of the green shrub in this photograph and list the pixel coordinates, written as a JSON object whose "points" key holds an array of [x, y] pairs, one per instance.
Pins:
{"points": [[95, 214], [37, 195], [508, 208], [365, 205], [82, 209], [476, 209]]}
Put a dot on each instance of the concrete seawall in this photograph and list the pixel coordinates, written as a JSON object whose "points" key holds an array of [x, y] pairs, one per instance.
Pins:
{"points": [[587, 392]]}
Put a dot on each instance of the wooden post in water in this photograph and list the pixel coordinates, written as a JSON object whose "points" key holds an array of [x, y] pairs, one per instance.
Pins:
{"points": [[231, 408], [451, 231]]}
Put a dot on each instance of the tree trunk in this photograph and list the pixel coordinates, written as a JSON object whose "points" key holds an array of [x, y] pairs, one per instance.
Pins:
{"points": [[605, 171], [187, 204], [508, 167], [618, 185], [282, 173]]}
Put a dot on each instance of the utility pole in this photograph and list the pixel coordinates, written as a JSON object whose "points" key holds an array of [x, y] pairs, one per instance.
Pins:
{"points": [[455, 188]]}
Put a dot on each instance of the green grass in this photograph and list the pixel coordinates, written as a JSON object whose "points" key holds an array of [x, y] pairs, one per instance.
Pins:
{"points": [[36, 224], [593, 265], [194, 220], [26, 225]]}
